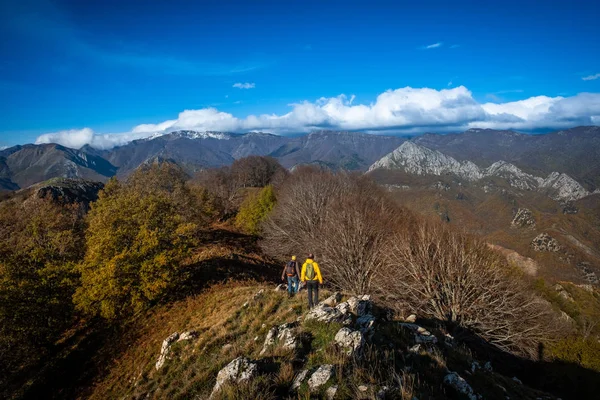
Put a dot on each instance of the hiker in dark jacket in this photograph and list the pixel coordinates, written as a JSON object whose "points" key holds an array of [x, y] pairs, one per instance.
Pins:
{"points": [[311, 274], [292, 272]]}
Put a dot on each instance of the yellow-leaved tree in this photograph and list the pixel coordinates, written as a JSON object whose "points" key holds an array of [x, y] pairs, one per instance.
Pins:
{"points": [[255, 209], [139, 232]]}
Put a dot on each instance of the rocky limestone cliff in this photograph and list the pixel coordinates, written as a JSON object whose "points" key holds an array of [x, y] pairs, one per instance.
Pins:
{"points": [[419, 160]]}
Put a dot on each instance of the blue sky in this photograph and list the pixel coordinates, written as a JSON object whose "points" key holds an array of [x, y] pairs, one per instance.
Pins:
{"points": [[93, 71]]}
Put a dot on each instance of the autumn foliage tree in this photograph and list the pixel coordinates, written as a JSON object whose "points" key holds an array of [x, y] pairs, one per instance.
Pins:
{"points": [[41, 243], [139, 233], [255, 209]]}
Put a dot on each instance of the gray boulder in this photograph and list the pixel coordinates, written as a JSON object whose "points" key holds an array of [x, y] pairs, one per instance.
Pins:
{"points": [[237, 371], [284, 334], [359, 305], [165, 348], [320, 377], [460, 385], [331, 392], [324, 313], [298, 380], [351, 341], [332, 300]]}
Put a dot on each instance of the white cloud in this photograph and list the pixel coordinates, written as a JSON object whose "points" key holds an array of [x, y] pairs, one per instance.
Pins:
{"points": [[246, 85], [74, 138], [433, 46], [591, 77], [407, 109]]}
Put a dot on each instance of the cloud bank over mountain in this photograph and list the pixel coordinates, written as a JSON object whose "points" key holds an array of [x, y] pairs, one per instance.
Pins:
{"points": [[403, 110]]}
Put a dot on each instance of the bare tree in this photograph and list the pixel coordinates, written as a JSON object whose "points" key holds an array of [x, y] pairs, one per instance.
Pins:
{"points": [[449, 276], [255, 171], [345, 219]]}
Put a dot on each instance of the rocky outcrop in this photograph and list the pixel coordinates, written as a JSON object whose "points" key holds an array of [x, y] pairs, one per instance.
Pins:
{"points": [[164, 349], [169, 341], [320, 377], [562, 187], [333, 300], [351, 341], [544, 242], [588, 274], [325, 313], [283, 335], [523, 219], [419, 160], [237, 371], [298, 380], [460, 385]]}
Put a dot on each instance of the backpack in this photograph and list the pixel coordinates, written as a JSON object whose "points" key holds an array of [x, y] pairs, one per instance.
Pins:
{"points": [[290, 270], [310, 271]]}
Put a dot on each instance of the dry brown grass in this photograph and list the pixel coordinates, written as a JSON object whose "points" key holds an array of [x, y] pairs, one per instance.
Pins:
{"points": [[220, 319]]}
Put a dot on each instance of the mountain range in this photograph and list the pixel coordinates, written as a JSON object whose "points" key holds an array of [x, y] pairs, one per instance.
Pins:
{"points": [[530, 160]]}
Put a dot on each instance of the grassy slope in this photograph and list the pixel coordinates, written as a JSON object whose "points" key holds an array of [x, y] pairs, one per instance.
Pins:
{"points": [[220, 318]]}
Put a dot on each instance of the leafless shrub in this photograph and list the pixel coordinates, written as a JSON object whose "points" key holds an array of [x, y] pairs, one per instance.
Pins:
{"points": [[345, 219], [449, 276]]}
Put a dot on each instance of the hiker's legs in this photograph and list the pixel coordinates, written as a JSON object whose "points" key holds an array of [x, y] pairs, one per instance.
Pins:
{"points": [[316, 293], [290, 280], [296, 284], [309, 289]]}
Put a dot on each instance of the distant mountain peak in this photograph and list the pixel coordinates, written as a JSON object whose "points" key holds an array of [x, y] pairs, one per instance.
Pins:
{"points": [[420, 160]]}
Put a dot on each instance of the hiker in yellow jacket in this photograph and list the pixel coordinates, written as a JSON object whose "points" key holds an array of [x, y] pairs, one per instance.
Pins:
{"points": [[311, 274]]}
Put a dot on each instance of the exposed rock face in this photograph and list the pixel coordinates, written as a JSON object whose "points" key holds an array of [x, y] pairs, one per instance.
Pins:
{"points": [[359, 306], [320, 377], [237, 371], [324, 313], [350, 340], [523, 219], [419, 160], [460, 385], [169, 341], [333, 300], [331, 392], [299, 379], [563, 187], [588, 274], [164, 349], [284, 335], [190, 335], [544, 242]]}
